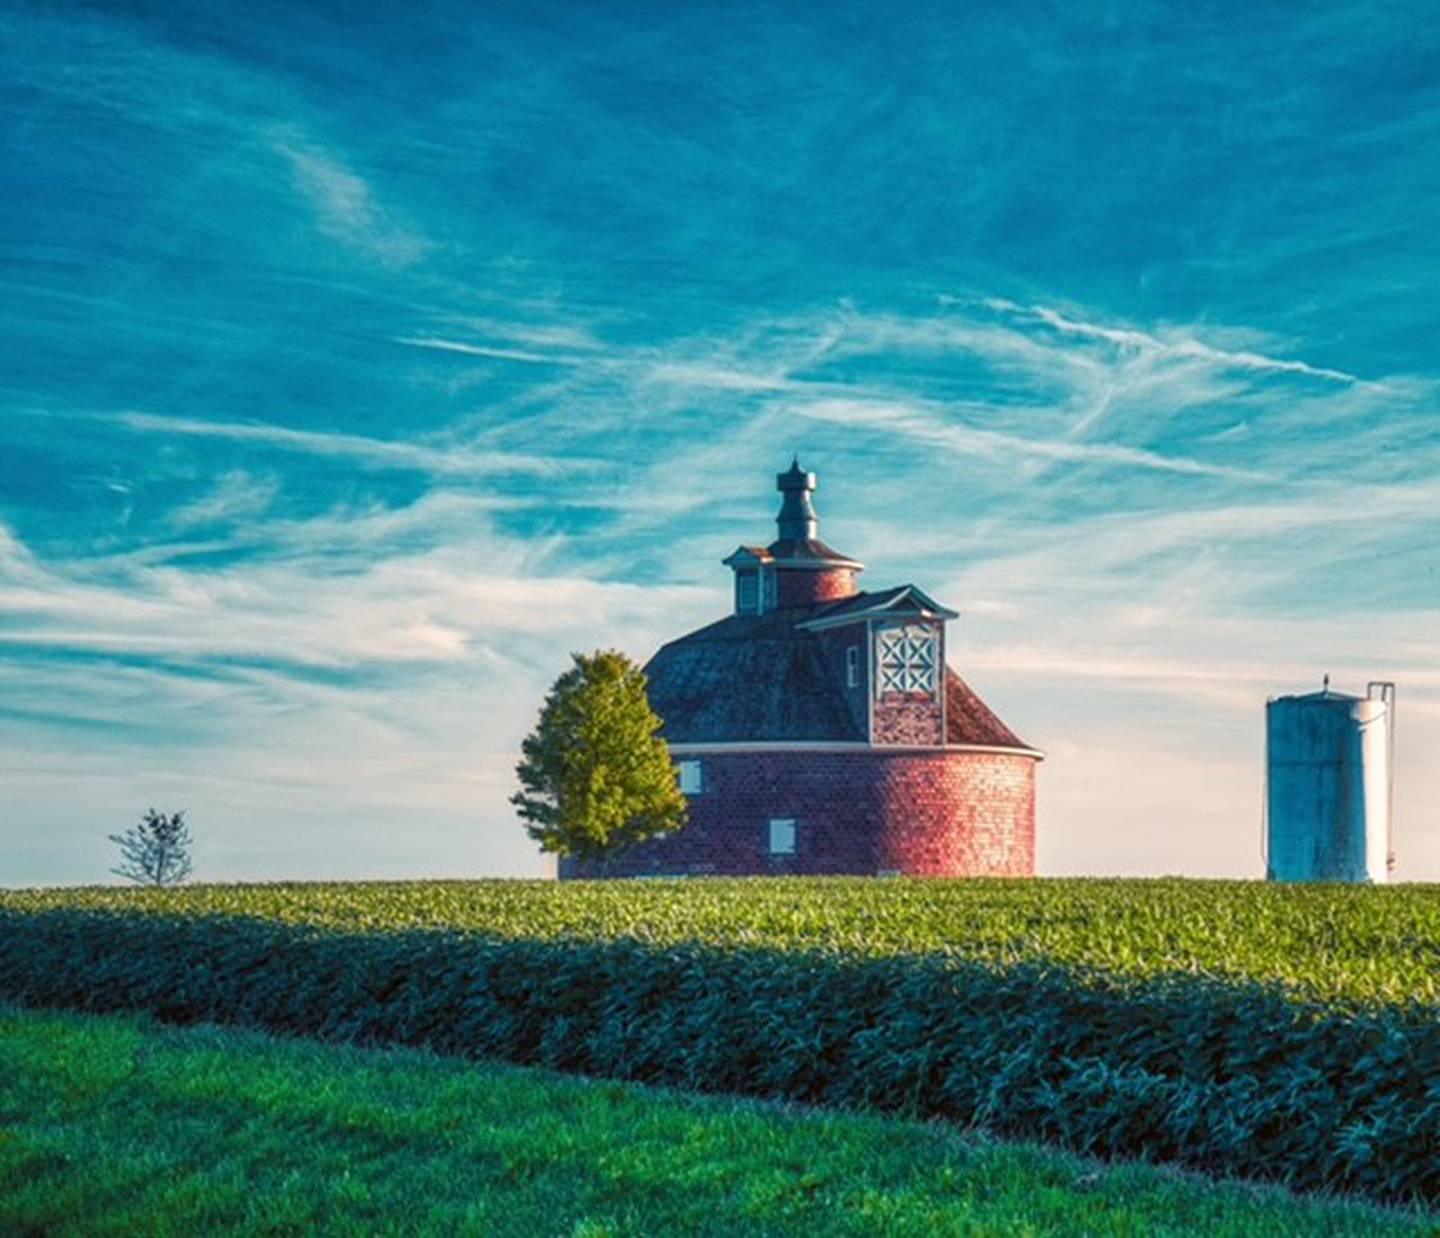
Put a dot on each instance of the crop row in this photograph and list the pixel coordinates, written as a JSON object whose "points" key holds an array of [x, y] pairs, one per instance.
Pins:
{"points": [[1234, 1078], [1345, 945]]}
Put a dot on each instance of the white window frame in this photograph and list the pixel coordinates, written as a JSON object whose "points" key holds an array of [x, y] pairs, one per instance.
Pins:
{"points": [[907, 659], [852, 666], [690, 774], [782, 835]]}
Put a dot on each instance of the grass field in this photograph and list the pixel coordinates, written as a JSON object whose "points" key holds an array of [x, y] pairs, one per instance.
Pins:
{"points": [[118, 1125], [1345, 944], [1280, 1033]]}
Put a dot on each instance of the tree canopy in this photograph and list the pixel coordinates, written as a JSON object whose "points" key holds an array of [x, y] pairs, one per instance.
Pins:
{"points": [[156, 852], [596, 777]]}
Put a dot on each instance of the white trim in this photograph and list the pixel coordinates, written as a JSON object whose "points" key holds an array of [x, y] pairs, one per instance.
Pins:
{"points": [[870, 680], [819, 565], [844, 745], [942, 689], [890, 610]]}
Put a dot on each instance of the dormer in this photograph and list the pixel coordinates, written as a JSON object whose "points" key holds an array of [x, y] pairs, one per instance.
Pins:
{"points": [[754, 580], [900, 636]]}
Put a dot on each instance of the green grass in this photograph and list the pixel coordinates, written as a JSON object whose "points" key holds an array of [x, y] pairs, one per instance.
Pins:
{"points": [[118, 1125], [1345, 944]]}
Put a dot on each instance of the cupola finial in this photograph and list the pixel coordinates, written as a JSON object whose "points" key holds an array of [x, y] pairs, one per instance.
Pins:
{"points": [[797, 519]]}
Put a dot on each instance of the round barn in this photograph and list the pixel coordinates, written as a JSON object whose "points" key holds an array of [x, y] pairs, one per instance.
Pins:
{"points": [[818, 729]]}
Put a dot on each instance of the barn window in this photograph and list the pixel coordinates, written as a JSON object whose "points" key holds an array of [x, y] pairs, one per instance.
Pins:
{"points": [[906, 658], [782, 835], [692, 777], [852, 667], [747, 593]]}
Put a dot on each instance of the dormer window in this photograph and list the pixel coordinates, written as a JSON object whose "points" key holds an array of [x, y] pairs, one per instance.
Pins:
{"points": [[906, 658], [747, 592]]}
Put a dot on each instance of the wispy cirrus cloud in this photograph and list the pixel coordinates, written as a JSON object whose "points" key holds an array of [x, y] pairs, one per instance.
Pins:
{"points": [[344, 202], [236, 495], [931, 427], [1177, 344], [486, 350], [456, 461]]}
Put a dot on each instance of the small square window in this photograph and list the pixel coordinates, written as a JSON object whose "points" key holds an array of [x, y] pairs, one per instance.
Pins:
{"points": [[782, 835], [852, 667], [692, 777]]}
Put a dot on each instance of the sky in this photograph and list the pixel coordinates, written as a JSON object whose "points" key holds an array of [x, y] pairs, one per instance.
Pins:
{"points": [[359, 364]]}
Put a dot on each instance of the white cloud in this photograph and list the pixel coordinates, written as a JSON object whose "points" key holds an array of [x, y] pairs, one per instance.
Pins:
{"points": [[344, 204], [929, 427], [485, 350], [235, 496], [1176, 344], [456, 461]]}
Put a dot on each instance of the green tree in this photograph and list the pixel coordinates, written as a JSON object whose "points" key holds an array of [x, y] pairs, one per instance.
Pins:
{"points": [[595, 776]]}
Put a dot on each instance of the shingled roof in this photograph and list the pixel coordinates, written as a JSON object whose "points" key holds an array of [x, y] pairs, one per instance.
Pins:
{"points": [[968, 720], [748, 677], [760, 678]]}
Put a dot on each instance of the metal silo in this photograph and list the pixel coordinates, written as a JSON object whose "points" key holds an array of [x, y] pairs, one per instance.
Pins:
{"points": [[1329, 786]]}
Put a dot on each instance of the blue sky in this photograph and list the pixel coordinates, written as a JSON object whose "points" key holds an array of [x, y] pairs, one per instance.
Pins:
{"points": [[356, 369]]}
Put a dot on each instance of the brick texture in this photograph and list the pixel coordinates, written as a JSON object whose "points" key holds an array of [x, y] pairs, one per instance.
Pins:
{"points": [[902, 718], [801, 587], [934, 814]]}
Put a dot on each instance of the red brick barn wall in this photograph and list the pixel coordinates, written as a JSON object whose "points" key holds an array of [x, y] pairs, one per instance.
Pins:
{"points": [[940, 814]]}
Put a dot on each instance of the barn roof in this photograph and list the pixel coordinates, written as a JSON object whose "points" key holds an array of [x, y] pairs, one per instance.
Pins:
{"points": [[762, 678], [748, 677], [968, 720]]}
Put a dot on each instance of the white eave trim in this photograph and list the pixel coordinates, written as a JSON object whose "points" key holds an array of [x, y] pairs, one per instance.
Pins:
{"points": [[843, 745], [820, 565], [878, 612]]}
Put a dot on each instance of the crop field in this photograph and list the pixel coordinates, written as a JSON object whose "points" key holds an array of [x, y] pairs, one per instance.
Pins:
{"points": [[120, 1125], [1282, 1033], [1345, 944]]}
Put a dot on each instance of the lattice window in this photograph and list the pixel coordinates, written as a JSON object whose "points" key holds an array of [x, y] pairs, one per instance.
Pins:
{"points": [[906, 659]]}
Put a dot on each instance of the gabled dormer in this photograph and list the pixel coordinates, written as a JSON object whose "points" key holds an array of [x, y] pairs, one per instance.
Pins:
{"points": [[754, 569], [888, 650]]}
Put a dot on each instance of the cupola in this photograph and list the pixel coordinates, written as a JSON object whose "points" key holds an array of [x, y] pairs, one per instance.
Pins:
{"points": [[797, 569]]}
